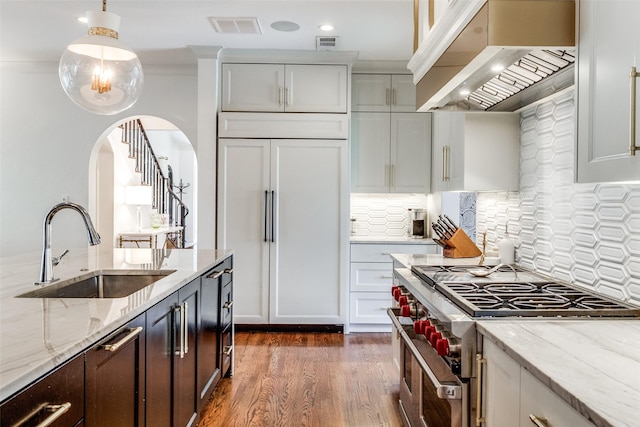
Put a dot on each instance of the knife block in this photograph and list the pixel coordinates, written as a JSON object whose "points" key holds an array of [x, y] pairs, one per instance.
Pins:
{"points": [[460, 246]]}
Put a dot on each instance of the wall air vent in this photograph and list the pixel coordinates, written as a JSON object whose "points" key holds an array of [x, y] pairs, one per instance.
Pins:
{"points": [[326, 42], [230, 25]]}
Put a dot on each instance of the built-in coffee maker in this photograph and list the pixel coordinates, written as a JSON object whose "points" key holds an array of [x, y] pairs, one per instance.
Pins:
{"points": [[418, 226]]}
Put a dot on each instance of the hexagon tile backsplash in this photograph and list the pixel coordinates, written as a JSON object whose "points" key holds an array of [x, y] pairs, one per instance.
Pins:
{"points": [[384, 214], [586, 233]]}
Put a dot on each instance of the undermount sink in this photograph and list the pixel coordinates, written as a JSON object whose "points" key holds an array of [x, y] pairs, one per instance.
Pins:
{"points": [[100, 284]]}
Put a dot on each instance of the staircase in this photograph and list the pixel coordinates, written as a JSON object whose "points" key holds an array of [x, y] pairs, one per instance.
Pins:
{"points": [[165, 200]]}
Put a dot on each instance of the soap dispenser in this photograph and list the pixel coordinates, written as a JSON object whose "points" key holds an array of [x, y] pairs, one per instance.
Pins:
{"points": [[506, 248]]}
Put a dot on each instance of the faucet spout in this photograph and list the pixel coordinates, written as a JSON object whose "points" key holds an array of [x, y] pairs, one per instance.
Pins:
{"points": [[46, 270]]}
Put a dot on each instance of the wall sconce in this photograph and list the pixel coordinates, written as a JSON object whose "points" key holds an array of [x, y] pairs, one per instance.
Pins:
{"points": [[138, 195], [98, 72]]}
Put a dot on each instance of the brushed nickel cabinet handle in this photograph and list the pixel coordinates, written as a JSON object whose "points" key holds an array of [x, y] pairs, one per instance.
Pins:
{"points": [[180, 339], [632, 119], [228, 350], [228, 270], [444, 156], [387, 97], [479, 362], [131, 335], [539, 422], [215, 274], [286, 97], [393, 176], [447, 153], [185, 327], [58, 411], [228, 305], [280, 95], [393, 97]]}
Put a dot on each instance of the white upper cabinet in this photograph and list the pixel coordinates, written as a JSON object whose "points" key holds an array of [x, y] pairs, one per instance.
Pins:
{"points": [[475, 152], [609, 45], [383, 93], [284, 88], [390, 152]]}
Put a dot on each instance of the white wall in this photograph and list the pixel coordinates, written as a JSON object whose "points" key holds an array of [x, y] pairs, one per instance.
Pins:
{"points": [[46, 142]]}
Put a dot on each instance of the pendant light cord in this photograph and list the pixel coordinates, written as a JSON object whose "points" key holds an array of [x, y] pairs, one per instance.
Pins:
{"points": [[104, 5]]}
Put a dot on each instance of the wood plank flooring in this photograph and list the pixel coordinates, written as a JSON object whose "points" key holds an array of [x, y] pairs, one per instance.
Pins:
{"points": [[296, 379]]}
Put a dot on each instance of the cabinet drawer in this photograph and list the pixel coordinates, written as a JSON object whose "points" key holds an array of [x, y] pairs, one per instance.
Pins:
{"points": [[226, 306], [226, 350], [380, 252], [64, 386], [371, 276], [369, 307]]}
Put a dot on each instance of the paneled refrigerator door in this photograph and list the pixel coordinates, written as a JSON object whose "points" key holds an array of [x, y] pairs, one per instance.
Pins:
{"points": [[310, 232], [243, 223]]}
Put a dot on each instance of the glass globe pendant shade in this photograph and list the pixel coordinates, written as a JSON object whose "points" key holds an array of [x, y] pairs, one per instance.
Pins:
{"points": [[98, 72]]}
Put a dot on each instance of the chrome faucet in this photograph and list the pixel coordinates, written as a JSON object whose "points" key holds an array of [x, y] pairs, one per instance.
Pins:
{"points": [[46, 270]]}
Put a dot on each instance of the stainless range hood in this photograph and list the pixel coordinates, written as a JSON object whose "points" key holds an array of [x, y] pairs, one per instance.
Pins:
{"points": [[495, 55]]}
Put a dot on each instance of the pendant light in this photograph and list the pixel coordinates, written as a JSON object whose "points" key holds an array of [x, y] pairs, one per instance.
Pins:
{"points": [[99, 73]]}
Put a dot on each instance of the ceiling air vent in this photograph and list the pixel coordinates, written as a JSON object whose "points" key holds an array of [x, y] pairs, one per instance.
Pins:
{"points": [[326, 42], [235, 25]]}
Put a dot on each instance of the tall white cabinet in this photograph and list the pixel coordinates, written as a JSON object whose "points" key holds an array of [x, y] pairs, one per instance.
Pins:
{"points": [[283, 206], [609, 45]]}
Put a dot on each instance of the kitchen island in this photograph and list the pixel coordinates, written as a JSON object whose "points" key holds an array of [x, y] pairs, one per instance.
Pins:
{"points": [[591, 364], [39, 334]]}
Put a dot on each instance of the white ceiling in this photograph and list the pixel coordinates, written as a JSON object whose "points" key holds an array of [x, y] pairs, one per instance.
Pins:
{"points": [[160, 31]]}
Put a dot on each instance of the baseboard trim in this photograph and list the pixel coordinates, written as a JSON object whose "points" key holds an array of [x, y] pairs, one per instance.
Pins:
{"points": [[338, 329]]}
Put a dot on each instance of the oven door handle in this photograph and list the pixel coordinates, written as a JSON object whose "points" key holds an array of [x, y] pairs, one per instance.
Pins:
{"points": [[444, 391]]}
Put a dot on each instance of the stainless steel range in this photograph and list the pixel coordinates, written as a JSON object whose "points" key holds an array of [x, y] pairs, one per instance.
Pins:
{"points": [[435, 317]]}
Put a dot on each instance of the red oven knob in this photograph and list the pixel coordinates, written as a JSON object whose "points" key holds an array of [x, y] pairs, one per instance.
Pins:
{"points": [[434, 337], [428, 330], [405, 310], [442, 347], [418, 327], [403, 300], [396, 293], [393, 290]]}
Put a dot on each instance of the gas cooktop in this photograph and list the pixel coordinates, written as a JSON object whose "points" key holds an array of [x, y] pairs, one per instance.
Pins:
{"points": [[518, 292]]}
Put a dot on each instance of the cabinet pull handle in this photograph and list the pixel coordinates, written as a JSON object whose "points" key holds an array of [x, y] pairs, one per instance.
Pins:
{"points": [[266, 202], [387, 97], [179, 351], [227, 305], [185, 328], [632, 122], [539, 422], [228, 350], [479, 362], [215, 274], [444, 156], [280, 91], [393, 98], [386, 277], [133, 332], [286, 96], [57, 412], [386, 175], [228, 270]]}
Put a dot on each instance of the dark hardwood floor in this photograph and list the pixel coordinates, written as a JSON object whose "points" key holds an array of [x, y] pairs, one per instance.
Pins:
{"points": [[295, 379]]}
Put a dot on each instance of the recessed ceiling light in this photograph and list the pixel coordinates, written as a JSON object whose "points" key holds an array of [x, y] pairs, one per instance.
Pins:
{"points": [[287, 26], [82, 19], [464, 92], [497, 68], [326, 27]]}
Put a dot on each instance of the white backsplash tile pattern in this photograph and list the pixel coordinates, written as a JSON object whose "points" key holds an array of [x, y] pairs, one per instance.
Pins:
{"points": [[384, 214], [587, 233]]}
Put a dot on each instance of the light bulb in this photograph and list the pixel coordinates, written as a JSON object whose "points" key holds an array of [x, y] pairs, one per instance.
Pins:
{"points": [[98, 72]]}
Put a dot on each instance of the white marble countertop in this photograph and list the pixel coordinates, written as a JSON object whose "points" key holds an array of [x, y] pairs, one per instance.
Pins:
{"points": [[406, 240], [593, 364], [38, 334]]}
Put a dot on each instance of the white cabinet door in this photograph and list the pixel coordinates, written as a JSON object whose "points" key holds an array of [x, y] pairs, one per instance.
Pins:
{"points": [[410, 153], [475, 152], [252, 87], [403, 93], [370, 151], [383, 93], [538, 400], [308, 257], [501, 388], [316, 88], [369, 308], [609, 46], [371, 92], [242, 181]]}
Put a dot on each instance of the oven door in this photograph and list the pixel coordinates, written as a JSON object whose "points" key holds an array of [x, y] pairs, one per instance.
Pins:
{"points": [[430, 394]]}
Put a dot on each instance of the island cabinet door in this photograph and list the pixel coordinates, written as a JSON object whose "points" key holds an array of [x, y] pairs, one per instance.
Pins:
{"points": [[159, 360], [184, 389], [57, 399], [115, 372]]}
